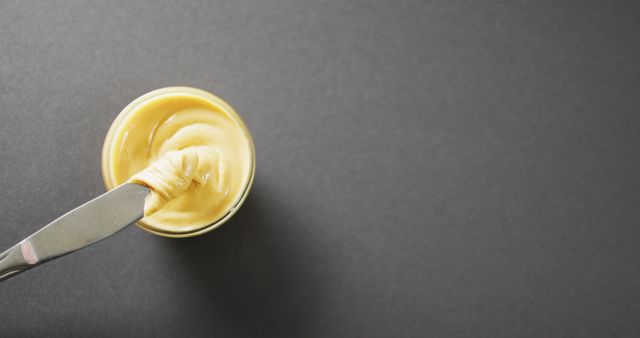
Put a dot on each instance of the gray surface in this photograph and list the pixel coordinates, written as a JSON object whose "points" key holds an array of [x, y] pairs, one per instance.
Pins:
{"points": [[425, 168]]}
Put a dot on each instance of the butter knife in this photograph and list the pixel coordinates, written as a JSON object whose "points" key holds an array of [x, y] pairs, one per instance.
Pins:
{"points": [[89, 223]]}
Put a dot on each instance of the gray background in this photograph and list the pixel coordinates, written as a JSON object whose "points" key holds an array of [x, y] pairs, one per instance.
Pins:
{"points": [[425, 168]]}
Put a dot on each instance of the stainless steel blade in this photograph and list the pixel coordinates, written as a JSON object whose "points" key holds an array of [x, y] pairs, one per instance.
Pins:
{"points": [[89, 223]]}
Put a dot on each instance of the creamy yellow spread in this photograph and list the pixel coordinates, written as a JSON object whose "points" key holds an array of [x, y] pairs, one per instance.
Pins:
{"points": [[194, 153]]}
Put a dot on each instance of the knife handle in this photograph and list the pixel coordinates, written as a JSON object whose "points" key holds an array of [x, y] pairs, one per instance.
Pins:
{"points": [[18, 258]]}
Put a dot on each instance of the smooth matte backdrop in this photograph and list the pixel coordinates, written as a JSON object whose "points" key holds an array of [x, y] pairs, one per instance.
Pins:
{"points": [[424, 168]]}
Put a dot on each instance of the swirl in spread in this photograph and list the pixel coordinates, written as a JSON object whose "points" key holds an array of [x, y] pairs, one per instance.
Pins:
{"points": [[193, 153], [169, 177]]}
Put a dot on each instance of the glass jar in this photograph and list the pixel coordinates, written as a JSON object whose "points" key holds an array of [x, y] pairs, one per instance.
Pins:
{"points": [[108, 153]]}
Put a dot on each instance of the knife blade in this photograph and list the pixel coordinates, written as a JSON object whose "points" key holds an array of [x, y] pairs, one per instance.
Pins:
{"points": [[87, 224]]}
